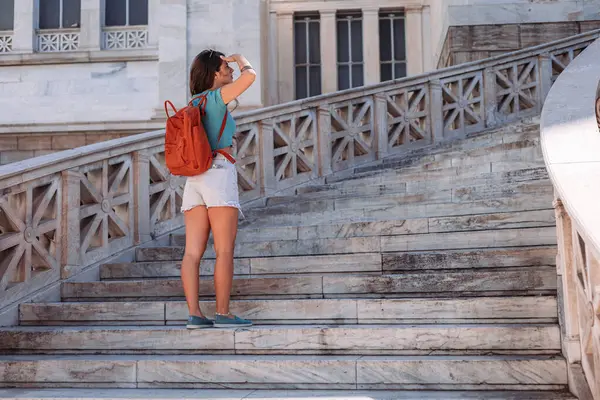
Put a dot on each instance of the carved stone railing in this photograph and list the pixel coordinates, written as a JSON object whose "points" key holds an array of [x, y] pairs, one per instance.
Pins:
{"points": [[57, 40], [570, 137], [125, 37], [64, 213], [284, 145]]}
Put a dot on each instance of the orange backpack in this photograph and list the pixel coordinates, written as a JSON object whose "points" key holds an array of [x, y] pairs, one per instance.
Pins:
{"points": [[187, 150]]}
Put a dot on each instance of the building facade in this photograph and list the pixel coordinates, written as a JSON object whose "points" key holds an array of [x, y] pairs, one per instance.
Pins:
{"points": [[74, 72]]}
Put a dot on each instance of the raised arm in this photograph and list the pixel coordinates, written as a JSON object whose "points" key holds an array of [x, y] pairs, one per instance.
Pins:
{"points": [[232, 90]]}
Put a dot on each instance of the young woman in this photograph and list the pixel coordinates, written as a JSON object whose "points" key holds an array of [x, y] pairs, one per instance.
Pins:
{"points": [[211, 200]]}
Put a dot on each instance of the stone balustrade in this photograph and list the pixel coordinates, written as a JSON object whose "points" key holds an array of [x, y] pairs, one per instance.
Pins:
{"points": [[62, 214], [570, 135]]}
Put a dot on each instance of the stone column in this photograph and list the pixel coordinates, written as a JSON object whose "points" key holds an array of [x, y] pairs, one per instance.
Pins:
{"points": [[153, 23], [24, 26], [90, 36], [414, 42], [172, 55], [285, 48], [329, 78], [370, 25], [428, 59], [273, 76]]}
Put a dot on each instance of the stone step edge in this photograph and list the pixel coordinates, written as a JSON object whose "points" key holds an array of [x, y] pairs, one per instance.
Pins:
{"points": [[280, 357], [251, 394], [287, 327], [181, 231], [495, 179]]}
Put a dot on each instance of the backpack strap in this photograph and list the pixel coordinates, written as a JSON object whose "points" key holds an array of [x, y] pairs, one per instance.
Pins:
{"points": [[224, 153]]}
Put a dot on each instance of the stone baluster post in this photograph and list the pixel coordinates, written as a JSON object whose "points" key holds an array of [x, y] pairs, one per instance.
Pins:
{"points": [[324, 140], [489, 97], [545, 65], [381, 126], [70, 241], [141, 197], [436, 112], [265, 138]]}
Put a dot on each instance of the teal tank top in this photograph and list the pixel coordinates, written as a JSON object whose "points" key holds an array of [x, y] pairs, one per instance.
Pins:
{"points": [[213, 118]]}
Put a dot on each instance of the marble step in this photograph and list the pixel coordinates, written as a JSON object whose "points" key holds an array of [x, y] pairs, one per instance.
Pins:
{"points": [[368, 263], [391, 227], [463, 259], [400, 188], [368, 189], [540, 236], [287, 339], [240, 394], [412, 174], [510, 309], [486, 143], [528, 149], [258, 218], [459, 372], [448, 178], [257, 266], [505, 281], [459, 195]]}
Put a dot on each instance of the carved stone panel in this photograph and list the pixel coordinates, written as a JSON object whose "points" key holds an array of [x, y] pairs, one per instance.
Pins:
{"points": [[462, 104], [294, 148], [407, 117], [352, 137], [166, 194], [247, 150], [517, 90], [106, 208], [30, 230]]}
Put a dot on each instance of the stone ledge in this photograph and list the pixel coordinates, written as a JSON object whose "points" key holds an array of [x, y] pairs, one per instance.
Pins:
{"points": [[87, 127], [570, 140], [72, 57]]}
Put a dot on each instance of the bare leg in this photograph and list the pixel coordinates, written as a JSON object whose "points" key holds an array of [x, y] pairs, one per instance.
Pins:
{"points": [[224, 223], [197, 229]]}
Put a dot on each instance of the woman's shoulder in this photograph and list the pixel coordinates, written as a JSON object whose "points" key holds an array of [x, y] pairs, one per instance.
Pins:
{"points": [[213, 98]]}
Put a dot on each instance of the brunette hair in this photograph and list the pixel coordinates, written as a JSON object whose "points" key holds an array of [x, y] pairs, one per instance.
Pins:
{"points": [[202, 72]]}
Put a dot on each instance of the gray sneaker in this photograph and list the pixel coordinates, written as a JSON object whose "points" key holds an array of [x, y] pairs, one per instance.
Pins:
{"points": [[223, 321], [195, 322]]}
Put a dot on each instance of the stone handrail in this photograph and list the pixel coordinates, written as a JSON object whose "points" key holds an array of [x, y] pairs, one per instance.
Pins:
{"points": [[64, 213], [570, 136]]}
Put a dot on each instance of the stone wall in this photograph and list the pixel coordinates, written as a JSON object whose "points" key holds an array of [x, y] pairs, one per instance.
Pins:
{"points": [[78, 92], [475, 42], [18, 147]]}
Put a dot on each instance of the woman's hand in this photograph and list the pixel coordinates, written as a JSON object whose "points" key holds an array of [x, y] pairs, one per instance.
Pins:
{"points": [[231, 58], [233, 90]]}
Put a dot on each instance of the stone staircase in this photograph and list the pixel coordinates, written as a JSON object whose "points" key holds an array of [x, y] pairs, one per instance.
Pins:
{"points": [[426, 276]]}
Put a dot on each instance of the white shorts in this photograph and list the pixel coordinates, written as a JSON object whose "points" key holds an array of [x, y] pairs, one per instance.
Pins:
{"points": [[216, 187]]}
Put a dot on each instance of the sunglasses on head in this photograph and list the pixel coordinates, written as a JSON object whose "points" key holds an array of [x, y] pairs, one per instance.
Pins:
{"points": [[210, 53]]}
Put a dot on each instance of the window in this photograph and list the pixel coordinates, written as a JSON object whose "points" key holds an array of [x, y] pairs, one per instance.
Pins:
{"points": [[349, 50], [392, 45], [126, 12], [7, 15], [307, 54], [59, 14]]}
